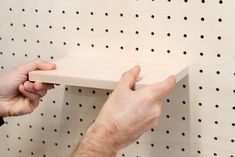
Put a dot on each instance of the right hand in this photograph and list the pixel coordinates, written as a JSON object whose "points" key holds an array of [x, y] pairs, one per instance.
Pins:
{"points": [[129, 113]]}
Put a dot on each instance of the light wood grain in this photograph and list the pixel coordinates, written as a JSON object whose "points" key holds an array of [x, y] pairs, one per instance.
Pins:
{"points": [[104, 73]]}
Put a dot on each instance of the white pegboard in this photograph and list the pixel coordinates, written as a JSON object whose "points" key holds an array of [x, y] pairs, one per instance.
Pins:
{"points": [[198, 117]]}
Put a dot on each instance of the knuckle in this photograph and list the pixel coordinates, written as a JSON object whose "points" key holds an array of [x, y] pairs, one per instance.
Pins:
{"points": [[149, 97], [38, 61]]}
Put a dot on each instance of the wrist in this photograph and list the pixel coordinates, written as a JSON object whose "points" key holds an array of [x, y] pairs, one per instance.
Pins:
{"points": [[104, 136], [97, 142]]}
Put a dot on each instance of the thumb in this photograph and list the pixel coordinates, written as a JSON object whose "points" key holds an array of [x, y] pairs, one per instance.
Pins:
{"points": [[167, 85], [129, 78], [35, 65]]}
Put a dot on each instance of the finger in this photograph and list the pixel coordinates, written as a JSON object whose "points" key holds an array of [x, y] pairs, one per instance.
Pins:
{"points": [[163, 88], [42, 93], [31, 96], [38, 86], [36, 65], [130, 77], [29, 86]]}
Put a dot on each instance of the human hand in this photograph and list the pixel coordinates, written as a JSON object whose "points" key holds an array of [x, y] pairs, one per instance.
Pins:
{"points": [[126, 115], [18, 96]]}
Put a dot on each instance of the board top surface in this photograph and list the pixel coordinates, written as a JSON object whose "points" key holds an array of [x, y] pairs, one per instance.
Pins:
{"points": [[105, 72]]}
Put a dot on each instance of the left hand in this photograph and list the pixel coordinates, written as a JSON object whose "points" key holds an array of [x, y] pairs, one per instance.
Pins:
{"points": [[18, 96]]}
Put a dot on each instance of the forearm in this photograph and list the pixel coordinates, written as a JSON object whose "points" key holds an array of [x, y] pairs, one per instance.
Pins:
{"points": [[95, 144]]}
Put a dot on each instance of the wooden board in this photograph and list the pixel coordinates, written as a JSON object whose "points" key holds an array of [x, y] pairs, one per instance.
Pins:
{"points": [[104, 73]]}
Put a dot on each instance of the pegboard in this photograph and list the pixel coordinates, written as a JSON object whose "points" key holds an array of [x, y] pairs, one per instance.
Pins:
{"points": [[198, 119]]}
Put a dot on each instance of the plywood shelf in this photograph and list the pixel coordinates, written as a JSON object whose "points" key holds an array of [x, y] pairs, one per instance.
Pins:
{"points": [[104, 73]]}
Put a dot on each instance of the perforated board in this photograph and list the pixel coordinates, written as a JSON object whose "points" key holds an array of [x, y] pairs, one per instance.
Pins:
{"points": [[198, 117]]}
